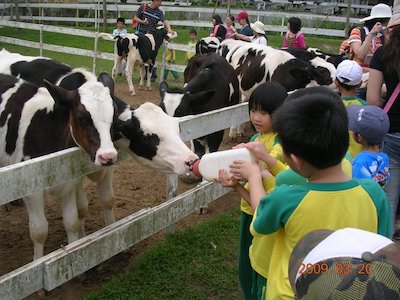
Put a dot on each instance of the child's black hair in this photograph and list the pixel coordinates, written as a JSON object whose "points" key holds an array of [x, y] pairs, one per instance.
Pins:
{"points": [[121, 19], [312, 124], [294, 24], [193, 31], [267, 97], [346, 86]]}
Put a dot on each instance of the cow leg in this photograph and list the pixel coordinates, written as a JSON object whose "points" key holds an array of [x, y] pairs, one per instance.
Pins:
{"points": [[67, 194], [143, 75], [103, 180], [82, 204], [149, 71], [117, 62], [214, 140], [128, 73], [38, 225], [199, 147]]}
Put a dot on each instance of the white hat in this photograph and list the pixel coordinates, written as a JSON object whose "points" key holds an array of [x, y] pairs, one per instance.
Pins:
{"points": [[258, 27], [349, 72], [395, 20], [379, 11]]}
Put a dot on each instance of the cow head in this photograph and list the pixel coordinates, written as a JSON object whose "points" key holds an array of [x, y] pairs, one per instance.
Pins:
{"points": [[207, 45], [152, 138], [91, 115], [182, 102]]}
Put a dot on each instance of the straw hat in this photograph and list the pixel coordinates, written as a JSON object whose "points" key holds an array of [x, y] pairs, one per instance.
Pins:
{"points": [[379, 11], [258, 27], [395, 20]]}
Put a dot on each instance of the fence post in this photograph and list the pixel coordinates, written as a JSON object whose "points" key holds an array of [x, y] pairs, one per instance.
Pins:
{"points": [[96, 42], [172, 187], [41, 40], [163, 62], [282, 24]]}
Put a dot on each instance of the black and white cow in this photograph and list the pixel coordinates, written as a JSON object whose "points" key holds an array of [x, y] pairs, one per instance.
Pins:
{"points": [[35, 121], [207, 45], [211, 84], [141, 50], [334, 59], [147, 133], [255, 64]]}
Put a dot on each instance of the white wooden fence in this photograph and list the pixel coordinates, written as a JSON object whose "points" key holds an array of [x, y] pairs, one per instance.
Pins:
{"points": [[56, 268], [202, 20]]}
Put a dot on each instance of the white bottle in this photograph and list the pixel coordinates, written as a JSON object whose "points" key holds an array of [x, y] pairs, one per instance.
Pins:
{"points": [[210, 164]]}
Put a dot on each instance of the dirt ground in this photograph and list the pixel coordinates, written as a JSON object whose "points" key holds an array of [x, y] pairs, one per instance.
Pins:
{"points": [[135, 187]]}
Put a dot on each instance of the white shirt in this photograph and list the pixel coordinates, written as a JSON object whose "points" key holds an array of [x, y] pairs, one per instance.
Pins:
{"points": [[258, 40]]}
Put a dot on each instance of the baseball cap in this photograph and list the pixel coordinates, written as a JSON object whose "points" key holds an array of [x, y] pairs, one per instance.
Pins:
{"points": [[349, 72], [368, 120], [242, 15], [347, 263]]}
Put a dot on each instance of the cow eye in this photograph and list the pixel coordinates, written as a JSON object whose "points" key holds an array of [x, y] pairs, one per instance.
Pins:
{"points": [[84, 121]]}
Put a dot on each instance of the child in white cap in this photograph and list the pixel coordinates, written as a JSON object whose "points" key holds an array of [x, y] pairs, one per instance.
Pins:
{"points": [[348, 80], [369, 125]]}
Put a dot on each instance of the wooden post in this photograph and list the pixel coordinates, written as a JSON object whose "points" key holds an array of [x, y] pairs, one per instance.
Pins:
{"points": [[96, 42], [41, 40], [163, 60], [348, 13], [104, 15], [172, 187]]}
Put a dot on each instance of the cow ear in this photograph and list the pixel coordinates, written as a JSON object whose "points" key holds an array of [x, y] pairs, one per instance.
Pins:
{"points": [[299, 73], [163, 88], [201, 97], [107, 81], [60, 95]]}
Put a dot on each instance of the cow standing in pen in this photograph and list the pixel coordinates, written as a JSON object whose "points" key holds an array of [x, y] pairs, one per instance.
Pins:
{"points": [[139, 50], [154, 144], [211, 84], [35, 121]]}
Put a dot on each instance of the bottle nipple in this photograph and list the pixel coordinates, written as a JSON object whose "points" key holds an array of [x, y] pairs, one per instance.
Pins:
{"points": [[195, 169]]}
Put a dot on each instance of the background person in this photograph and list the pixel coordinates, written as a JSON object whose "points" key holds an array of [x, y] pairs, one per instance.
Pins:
{"points": [[243, 19], [258, 36], [219, 30], [366, 40], [230, 27], [385, 67], [294, 38], [192, 42], [120, 31], [148, 16]]}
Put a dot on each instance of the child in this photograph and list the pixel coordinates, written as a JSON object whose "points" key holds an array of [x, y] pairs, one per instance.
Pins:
{"points": [[170, 59], [192, 43], [265, 99], [348, 80], [230, 27], [120, 31], [369, 125], [313, 130], [294, 38]]}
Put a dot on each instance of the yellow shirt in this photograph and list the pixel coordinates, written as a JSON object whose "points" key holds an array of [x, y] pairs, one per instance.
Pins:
{"points": [[275, 150], [354, 147], [190, 54]]}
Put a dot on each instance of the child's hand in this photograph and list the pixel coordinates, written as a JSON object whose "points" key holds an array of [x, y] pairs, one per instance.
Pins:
{"points": [[243, 170], [256, 148], [265, 174], [226, 180]]}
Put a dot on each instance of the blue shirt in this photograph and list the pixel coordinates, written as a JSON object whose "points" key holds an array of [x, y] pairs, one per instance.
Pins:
{"points": [[246, 31], [372, 165]]}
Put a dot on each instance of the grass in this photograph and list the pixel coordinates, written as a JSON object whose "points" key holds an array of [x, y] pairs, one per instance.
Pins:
{"points": [[330, 45], [197, 263]]}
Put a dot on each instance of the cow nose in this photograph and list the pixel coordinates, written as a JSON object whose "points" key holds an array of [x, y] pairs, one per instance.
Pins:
{"points": [[107, 159]]}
